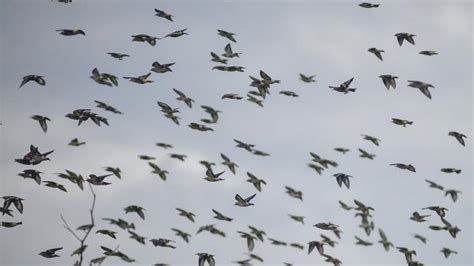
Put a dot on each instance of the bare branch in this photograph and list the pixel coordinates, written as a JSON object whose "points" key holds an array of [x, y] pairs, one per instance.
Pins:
{"points": [[84, 238]]}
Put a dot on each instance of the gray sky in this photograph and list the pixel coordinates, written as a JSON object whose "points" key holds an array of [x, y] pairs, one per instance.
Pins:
{"points": [[325, 38]]}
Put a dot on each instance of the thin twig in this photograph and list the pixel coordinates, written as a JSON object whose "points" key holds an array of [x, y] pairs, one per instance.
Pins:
{"points": [[84, 238]]}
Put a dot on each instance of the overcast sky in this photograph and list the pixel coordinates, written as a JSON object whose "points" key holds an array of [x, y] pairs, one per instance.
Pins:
{"points": [[328, 39]]}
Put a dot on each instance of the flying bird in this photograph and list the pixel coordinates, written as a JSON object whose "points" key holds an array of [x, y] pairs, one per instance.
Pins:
{"points": [[307, 79], [403, 36], [69, 32], [377, 52], [50, 253], [459, 137], [118, 56], [389, 81], [344, 87], [422, 86], [241, 202], [401, 122], [34, 156], [38, 79], [42, 120], [163, 14], [403, 166], [226, 34]]}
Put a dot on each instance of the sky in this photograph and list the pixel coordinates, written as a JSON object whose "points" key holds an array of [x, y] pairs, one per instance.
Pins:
{"points": [[328, 39]]}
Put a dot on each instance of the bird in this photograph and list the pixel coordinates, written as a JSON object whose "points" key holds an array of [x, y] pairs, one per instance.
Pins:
{"points": [[33, 174], [362, 242], [69, 32], [441, 211], [176, 34], [276, 242], [447, 252], [36, 78], [252, 99], [428, 53], [136, 209], [243, 145], [365, 154], [344, 87], [453, 193], [404, 36], [206, 257], [10, 224], [420, 237], [368, 5], [401, 122], [16, 201], [212, 112], [451, 170], [418, 217], [220, 216], [213, 177], [114, 170], [98, 180], [434, 185], [257, 182], [140, 239], [294, 193], [377, 52], [289, 93], [408, 167], [250, 240], [163, 243], [389, 81], [384, 240], [216, 58], [226, 34], [422, 86], [180, 157], [452, 230], [342, 150], [316, 168], [163, 14], [459, 137], [82, 115], [326, 226], [408, 253], [151, 40], [189, 215], [343, 179], [241, 202], [164, 145], [327, 240], [318, 245], [53, 184], [118, 56], [297, 218], [182, 97], [50, 253], [185, 236], [229, 53], [374, 140], [307, 79], [157, 170], [230, 164], [42, 120], [161, 68], [107, 232], [345, 206], [230, 68], [142, 79], [34, 156], [199, 127], [104, 78], [120, 223], [258, 233], [107, 107]]}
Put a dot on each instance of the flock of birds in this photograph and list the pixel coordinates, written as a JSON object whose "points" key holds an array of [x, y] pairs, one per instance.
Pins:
{"points": [[260, 90]]}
